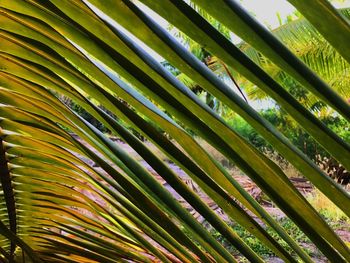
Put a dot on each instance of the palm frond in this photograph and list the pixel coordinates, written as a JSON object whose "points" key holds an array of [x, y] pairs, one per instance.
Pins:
{"points": [[80, 197]]}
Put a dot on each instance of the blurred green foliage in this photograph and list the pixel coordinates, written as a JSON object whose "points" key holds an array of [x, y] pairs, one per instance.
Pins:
{"points": [[291, 130]]}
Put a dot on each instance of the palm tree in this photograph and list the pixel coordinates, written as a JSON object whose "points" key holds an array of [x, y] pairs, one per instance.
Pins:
{"points": [[301, 38], [309, 45], [70, 194]]}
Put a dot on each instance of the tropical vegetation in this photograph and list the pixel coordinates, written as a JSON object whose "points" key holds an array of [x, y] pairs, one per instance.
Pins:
{"points": [[71, 194]]}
